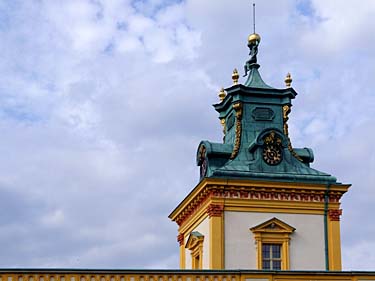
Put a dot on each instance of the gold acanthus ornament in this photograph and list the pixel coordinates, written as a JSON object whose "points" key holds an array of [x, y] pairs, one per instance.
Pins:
{"points": [[237, 142], [286, 111]]}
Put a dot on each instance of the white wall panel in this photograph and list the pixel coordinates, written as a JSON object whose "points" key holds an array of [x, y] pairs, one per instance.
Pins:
{"points": [[306, 245], [203, 228]]}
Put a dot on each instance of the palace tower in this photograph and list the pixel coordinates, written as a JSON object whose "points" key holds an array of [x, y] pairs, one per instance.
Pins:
{"points": [[259, 204]]}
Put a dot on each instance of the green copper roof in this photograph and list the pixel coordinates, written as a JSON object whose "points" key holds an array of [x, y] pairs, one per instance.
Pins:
{"points": [[256, 143], [254, 79]]}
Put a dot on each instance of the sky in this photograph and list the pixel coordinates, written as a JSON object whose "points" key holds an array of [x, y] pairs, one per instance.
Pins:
{"points": [[104, 102]]}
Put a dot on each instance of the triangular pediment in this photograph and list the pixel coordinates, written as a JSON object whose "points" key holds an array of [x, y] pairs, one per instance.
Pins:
{"points": [[194, 239], [273, 225]]}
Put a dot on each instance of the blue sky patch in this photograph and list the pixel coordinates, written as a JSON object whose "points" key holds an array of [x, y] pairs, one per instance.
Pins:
{"points": [[305, 8]]}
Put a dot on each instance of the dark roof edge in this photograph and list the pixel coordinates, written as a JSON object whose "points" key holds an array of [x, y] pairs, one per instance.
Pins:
{"points": [[180, 271]]}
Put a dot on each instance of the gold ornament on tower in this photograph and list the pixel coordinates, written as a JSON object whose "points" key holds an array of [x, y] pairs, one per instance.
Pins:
{"points": [[222, 94], [288, 80], [235, 76], [253, 38]]}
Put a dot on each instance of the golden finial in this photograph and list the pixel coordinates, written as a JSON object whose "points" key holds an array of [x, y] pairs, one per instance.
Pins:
{"points": [[222, 94], [253, 38], [288, 80], [235, 76]]}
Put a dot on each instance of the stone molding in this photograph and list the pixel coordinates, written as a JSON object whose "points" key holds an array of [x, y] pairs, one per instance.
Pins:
{"points": [[255, 193]]}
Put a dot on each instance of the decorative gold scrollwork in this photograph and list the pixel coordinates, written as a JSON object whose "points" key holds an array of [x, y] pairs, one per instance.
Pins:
{"points": [[238, 108], [286, 111], [222, 121], [272, 139]]}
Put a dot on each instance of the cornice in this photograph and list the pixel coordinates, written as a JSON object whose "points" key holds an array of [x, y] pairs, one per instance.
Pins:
{"points": [[243, 192]]}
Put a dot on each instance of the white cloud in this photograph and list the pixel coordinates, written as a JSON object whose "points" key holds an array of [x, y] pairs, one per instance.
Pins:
{"points": [[55, 218]]}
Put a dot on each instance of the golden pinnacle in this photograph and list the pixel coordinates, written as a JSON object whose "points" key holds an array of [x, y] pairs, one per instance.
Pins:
{"points": [[222, 94], [288, 80], [235, 76]]}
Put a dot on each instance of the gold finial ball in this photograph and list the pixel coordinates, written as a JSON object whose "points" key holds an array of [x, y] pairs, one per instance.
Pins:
{"points": [[255, 37], [222, 94]]}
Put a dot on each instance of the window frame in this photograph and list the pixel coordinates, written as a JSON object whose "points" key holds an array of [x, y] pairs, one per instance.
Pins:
{"points": [[273, 231], [271, 258], [195, 245]]}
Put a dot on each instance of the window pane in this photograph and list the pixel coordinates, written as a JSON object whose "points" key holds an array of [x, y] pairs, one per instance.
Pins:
{"points": [[276, 251], [266, 251], [276, 265], [271, 256]]}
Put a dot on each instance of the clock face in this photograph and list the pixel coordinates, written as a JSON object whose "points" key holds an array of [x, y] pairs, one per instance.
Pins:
{"points": [[272, 154], [203, 168], [272, 149]]}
